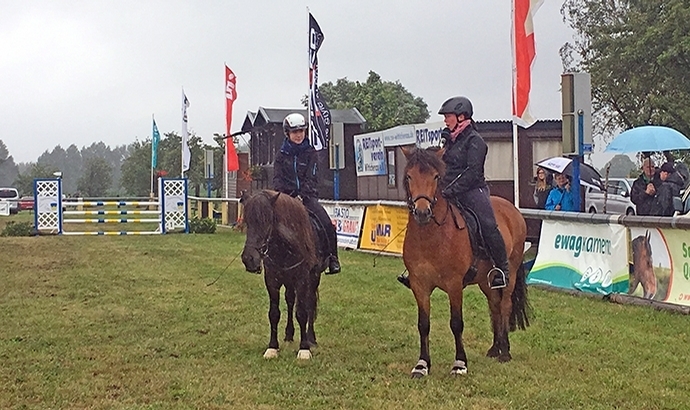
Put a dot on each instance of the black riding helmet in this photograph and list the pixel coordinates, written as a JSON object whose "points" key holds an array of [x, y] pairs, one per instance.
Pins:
{"points": [[457, 106]]}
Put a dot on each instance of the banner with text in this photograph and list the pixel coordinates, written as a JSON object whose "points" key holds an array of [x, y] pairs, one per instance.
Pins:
{"points": [[347, 220], [428, 135], [370, 154], [660, 265], [579, 256], [400, 135], [384, 228]]}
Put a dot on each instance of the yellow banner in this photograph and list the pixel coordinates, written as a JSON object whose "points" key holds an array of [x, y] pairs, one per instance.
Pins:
{"points": [[384, 228], [679, 251]]}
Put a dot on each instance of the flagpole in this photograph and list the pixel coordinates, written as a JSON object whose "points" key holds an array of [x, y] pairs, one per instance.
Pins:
{"points": [[516, 167], [152, 137]]}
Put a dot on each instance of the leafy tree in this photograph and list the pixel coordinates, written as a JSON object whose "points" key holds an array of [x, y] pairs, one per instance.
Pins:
{"points": [[25, 181], [638, 55], [8, 169], [384, 104], [96, 179], [621, 166]]}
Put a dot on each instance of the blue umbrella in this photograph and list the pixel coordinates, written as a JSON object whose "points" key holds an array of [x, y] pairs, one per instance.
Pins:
{"points": [[648, 138]]}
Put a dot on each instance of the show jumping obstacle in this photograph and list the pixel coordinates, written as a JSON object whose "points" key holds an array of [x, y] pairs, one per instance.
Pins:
{"points": [[169, 213]]}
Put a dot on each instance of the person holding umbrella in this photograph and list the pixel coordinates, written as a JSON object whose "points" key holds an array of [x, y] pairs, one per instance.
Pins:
{"points": [[643, 192], [561, 198]]}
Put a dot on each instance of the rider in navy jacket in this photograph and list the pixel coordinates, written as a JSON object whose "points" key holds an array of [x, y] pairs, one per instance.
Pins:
{"points": [[295, 174]]}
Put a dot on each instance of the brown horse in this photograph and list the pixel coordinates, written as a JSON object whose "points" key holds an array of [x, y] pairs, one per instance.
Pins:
{"points": [[280, 235], [438, 254], [643, 270]]}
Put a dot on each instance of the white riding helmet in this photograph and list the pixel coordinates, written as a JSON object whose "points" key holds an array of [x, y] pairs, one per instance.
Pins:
{"points": [[292, 122]]}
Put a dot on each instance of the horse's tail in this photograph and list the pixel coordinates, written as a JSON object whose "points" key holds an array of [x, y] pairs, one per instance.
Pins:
{"points": [[519, 316]]}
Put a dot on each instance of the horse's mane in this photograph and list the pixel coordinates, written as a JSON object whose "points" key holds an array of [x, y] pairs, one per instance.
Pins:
{"points": [[426, 160], [287, 216]]}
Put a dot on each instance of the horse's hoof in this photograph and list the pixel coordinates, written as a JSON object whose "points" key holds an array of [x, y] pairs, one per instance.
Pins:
{"points": [[304, 354], [493, 352], [420, 370], [504, 358], [270, 353], [459, 368]]}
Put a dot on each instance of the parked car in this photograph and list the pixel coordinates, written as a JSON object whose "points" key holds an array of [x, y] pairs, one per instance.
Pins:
{"points": [[617, 201], [26, 203], [12, 196]]}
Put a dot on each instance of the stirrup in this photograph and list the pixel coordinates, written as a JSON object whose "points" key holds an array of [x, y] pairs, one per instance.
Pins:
{"points": [[497, 278], [404, 279]]}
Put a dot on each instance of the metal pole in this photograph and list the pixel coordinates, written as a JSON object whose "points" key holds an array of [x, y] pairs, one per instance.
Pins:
{"points": [[577, 159], [336, 174]]}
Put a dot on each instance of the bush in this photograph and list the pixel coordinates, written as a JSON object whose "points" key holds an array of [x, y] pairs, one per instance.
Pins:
{"points": [[202, 225], [14, 228]]}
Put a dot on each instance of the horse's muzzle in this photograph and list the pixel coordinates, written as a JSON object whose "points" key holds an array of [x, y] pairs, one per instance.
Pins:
{"points": [[251, 261], [422, 216]]}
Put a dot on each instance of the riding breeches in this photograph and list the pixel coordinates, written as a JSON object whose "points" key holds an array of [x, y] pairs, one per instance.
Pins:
{"points": [[312, 204], [479, 202]]}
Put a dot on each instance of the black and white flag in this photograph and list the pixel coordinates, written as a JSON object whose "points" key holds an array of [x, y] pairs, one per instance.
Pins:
{"points": [[319, 114]]}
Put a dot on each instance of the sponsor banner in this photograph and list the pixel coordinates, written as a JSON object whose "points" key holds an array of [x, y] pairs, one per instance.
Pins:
{"points": [[370, 154], [590, 258], [660, 265], [428, 135], [400, 135], [384, 228], [347, 220]]}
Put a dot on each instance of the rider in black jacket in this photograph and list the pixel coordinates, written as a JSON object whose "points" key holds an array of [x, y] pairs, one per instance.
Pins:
{"points": [[464, 183], [295, 174]]}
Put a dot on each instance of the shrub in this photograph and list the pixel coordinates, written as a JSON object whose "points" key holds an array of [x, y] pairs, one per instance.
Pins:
{"points": [[14, 228], [202, 225]]}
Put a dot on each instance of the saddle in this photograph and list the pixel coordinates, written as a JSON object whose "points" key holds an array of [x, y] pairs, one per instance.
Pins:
{"points": [[474, 230], [322, 241]]}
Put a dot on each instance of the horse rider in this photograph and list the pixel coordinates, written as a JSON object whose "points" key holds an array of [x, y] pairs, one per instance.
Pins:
{"points": [[295, 174], [464, 183]]}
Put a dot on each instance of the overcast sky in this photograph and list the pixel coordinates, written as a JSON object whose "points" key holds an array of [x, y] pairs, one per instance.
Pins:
{"points": [[78, 72]]}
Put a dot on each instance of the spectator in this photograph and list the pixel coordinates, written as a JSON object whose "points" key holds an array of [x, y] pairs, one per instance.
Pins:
{"points": [[542, 188], [671, 184], [561, 198], [643, 193]]}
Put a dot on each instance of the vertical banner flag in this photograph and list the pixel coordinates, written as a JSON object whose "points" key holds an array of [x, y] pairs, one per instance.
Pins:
{"points": [[186, 154], [523, 57], [230, 97], [155, 139], [319, 114]]}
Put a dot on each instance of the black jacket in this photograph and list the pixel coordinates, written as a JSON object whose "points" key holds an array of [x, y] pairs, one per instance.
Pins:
{"points": [[295, 170], [665, 193], [644, 203], [464, 157]]}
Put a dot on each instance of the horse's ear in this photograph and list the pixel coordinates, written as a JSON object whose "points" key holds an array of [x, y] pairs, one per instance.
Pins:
{"points": [[273, 199], [407, 151], [244, 196], [439, 153]]}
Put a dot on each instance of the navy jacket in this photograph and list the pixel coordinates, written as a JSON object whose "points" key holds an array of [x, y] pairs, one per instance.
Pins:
{"points": [[465, 157], [295, 170]]}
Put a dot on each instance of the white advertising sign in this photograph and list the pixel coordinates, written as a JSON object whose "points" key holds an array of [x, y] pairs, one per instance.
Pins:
{"points": [[347, 220], [370, 155], [400, 135], [428, 135]]}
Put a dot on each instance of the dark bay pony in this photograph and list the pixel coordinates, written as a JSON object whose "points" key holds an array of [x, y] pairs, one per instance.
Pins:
{"points": [[438, 254], [280, 236], [642, 271]]}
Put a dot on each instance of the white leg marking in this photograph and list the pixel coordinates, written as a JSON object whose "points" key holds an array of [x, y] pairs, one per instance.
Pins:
{"points": [[304, 354], [271, 353]]}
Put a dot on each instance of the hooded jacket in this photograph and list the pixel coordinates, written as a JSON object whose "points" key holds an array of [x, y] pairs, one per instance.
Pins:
{"points": [[295, 169]]}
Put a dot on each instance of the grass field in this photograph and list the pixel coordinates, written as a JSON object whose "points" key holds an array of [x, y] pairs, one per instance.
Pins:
{"points": [[131, 323]]}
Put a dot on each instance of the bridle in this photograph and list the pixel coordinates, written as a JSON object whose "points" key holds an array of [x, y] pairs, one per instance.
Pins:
{"points": [[411, 202], [263, 247]]}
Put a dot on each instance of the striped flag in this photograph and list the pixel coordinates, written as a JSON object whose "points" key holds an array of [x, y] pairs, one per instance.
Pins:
{"points": [[524, 53]]}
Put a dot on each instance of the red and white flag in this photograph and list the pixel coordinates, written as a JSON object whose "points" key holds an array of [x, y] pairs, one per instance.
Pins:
{"points": [[524, 53], [230, 97]]}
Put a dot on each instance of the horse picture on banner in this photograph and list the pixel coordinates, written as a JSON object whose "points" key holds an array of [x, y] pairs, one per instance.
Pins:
{"points": [[650, 265]]}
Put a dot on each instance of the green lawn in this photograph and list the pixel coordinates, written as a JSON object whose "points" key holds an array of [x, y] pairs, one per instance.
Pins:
{"points": [[131, 323]]}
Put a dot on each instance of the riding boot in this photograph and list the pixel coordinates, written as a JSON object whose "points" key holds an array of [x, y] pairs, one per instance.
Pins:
{"points": [[333, 265], [499, 275]]}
